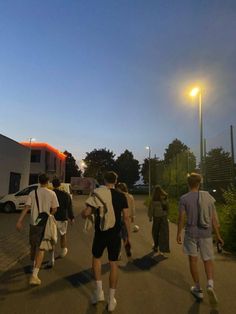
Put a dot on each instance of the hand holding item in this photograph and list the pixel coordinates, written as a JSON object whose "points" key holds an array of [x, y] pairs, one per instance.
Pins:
{"points": [[179, 239], [19, 225]]}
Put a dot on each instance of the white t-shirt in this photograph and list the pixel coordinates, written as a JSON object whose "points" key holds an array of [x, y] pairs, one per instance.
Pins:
{"points": [[47, 200]]}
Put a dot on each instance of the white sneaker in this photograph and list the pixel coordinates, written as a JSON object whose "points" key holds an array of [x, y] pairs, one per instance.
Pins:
{"points": [[64, 251], [212, 296], [34, 281], [97, 296], [112, 305], [197, 293]]}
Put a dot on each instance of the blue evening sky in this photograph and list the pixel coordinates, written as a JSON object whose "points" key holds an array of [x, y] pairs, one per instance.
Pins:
{"points": [[83, 74]]}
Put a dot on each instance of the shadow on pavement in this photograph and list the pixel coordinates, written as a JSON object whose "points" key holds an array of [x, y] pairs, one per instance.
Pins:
{"points": [[85, 276], [11, 282], [76, 280], [144, 263], [195, 308], [100, 308]]}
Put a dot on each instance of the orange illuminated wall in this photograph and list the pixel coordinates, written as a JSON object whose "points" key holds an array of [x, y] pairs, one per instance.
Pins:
{"points": [[39, 145]]}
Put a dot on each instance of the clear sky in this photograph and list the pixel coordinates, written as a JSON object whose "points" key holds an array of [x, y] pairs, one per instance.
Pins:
{"points": [[113, 74]]}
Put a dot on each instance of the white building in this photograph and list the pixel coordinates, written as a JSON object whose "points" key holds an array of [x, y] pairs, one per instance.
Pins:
{"points": [[14, 165]]}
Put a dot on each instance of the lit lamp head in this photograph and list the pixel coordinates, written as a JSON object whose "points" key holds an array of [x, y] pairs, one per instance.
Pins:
{"points": [[194, 92]]}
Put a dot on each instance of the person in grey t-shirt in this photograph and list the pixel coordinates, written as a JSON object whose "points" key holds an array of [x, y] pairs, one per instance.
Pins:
{"points": [[198, 239]]}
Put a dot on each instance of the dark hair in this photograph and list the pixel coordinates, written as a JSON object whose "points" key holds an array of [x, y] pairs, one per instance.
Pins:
{"points": [[110, 177], [158, 193], [194, 180], [43, 178], [122, 186], [56, 183]]}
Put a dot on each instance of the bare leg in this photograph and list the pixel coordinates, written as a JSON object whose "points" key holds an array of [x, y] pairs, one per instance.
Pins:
{"points": [[208, 269], [63, 241], [39, 258], [113, 274], [194, 269], [96, 264]]}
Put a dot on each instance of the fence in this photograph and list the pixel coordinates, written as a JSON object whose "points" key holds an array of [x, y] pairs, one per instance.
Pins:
{"points": [[218, 165]]}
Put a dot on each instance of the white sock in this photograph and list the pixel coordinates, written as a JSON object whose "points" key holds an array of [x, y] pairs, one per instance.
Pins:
{"points": [[52, 256], [99, 284], [111, 293], [35, 272], [210, 283]]}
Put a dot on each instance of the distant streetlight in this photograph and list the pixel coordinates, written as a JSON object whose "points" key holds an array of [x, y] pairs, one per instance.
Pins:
{"points": [[149, 169], [82, 166], [194, 92], [31, 139]]}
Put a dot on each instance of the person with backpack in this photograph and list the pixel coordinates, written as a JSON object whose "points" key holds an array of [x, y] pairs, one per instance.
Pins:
{"points": [[201, 218], [42, 200]]}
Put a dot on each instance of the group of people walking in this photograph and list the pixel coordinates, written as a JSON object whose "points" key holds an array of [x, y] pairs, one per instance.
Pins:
{"points": [[113, 211]]}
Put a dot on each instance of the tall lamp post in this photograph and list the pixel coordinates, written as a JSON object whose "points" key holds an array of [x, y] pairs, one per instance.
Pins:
{"points": [[194, 92], [149, 170]]}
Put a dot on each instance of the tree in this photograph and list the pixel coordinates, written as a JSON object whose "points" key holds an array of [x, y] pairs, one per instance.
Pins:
{"points": [[154, 162], [71, 168], [172, 171], [97, 162], [127, 168], [218, 168], [174, 148]]}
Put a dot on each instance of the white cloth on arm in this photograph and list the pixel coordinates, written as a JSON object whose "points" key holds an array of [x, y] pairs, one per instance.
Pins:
{"points": [[206, 206], [50, 234], [107, 214]]}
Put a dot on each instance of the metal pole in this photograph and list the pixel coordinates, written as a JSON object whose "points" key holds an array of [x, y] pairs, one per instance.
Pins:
{"points": [[204, 165], [149, 190], [201, 135], [232, 151]]}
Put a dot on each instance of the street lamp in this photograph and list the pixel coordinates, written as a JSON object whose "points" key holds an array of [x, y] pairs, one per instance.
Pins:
{"points": [[149, 169], [31, 139], [194, 92]]}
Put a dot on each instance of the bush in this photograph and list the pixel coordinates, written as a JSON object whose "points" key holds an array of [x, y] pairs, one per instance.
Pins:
{"points": [[227, 217]]}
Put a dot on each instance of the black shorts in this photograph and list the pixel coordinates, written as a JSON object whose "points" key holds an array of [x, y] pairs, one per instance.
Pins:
{"points": [[36, 235], [111, 241]]}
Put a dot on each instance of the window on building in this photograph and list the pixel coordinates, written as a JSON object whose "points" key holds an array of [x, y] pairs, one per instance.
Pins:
{"points": [[35, 155], [55, 163], [47, 160]]}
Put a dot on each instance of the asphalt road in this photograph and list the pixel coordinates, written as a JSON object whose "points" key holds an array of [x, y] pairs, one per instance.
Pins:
{"points": [[149, 285]]}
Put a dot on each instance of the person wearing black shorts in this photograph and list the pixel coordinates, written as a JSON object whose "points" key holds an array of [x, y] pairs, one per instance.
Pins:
{"points": [[109, 239]]}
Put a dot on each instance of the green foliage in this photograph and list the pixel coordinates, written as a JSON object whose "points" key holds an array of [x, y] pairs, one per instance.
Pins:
{"points": [[218, 170], [154, 164], [71, 168], [227, 217], [174, 148], [127, 168], [97, 162]]}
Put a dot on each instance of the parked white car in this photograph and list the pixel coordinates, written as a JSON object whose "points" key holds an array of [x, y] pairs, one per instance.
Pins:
{"points": [[16, 201]]}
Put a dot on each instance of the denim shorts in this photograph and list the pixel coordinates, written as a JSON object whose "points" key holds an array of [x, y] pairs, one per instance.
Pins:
{"points": [[204, 246]]}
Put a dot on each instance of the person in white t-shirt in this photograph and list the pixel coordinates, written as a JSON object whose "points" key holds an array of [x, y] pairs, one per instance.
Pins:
{"points": [[47, 202]]}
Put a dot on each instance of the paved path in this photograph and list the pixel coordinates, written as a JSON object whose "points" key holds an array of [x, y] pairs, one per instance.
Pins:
{"points": [[149, 285]]}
